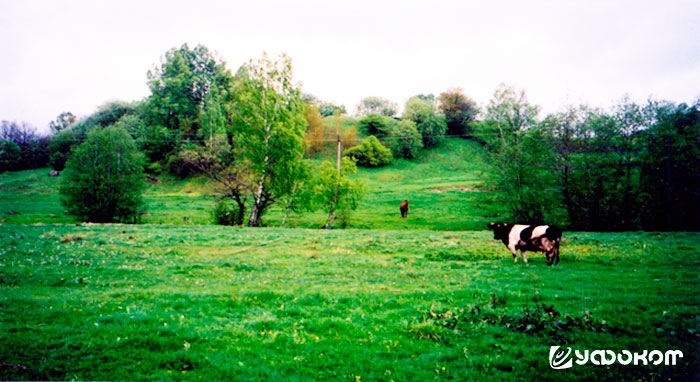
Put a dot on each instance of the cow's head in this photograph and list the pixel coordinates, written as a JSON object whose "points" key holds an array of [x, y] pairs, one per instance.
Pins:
{"points": [[500, 230]]}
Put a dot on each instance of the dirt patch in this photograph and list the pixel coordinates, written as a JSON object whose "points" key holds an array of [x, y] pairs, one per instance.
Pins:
{"points": [[462, 189]]}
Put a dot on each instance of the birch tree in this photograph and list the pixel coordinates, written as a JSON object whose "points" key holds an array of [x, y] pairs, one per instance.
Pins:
{"points": [[268, 128]]}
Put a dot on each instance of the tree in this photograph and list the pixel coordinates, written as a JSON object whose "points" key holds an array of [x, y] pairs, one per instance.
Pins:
{"points": [[33, 146], [103, 179], [234, 180], [377, 125], [328, 109], [315, 137], [670, 171], [268, 127], [10, 156], [370, 153], [62, 122], [459, 110], [181, 87], [521, 159], [423, 112], [376, 105], [335, 193], [405, 140], [511, 111]]}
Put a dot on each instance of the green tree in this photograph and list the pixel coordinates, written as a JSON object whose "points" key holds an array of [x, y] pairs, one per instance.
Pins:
{"points": [[328, 109], [459, 111], [670, 173], [233, 179], [335, 192], [103, 180], [181, 87], [423, 112], [10, 156], [377, 125], [376, 105], [370, 153], [521, 162], [405, 140], [62, 122], [269, 128], [510, 111]]}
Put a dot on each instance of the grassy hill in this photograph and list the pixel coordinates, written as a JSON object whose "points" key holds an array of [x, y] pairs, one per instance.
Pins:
{"points": [[442, 185]]}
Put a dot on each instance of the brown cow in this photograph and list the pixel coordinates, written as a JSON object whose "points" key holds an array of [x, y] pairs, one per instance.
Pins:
{"points": [[404, 209]]}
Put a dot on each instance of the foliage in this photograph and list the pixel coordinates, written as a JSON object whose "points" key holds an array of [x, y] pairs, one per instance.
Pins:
{"points": [[670, 172], [370, 153], [315, 137], [520, 173], [224, 213], [335, 192], [33, 147], [328, 109], [521, 162], [376, 105], [269, 128], [62, 122], [103, 181], [510, 111], [423, 112], [60, 147], [189, 92], [405, 140], [10, 156], [459, 111], [377, 125]]}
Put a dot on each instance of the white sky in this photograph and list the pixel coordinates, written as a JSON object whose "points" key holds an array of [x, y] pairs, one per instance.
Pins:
{"points": [[73, 56]]}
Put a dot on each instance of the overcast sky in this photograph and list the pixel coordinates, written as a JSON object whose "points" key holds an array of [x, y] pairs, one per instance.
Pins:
{"points": [[74, 56]]}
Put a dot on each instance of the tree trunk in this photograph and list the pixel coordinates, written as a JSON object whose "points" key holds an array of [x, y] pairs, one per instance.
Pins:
{"points": [[254, 220], [330, 222]]}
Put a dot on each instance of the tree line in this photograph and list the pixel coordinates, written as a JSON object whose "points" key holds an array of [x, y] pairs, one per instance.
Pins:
{"points": [[636, 166], [252, 131]]}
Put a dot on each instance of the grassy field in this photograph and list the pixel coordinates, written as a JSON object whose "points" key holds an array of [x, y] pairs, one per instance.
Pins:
{"points": [[152, 302], [431, 297], [442, 186]]}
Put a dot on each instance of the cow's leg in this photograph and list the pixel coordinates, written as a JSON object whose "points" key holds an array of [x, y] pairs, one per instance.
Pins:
{"points": [[556, 253], [515, 253], [522, 253]]}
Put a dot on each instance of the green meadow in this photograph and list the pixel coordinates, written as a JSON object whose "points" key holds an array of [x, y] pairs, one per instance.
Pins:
{"points": [[442, 186], [431, 297]]}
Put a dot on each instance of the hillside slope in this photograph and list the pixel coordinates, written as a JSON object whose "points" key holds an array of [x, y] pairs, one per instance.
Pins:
{"points": [[442, 185]]}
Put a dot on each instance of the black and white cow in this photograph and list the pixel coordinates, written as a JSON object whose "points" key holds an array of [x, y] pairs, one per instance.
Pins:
{"points": [[541, 238]]}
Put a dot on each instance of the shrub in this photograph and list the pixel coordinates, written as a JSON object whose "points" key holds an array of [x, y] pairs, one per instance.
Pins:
{"points": [[370, 153], [376, 125], [224, 213], [60, 148], [406, 141], [430, 124], [10, 156], [103, 178]]}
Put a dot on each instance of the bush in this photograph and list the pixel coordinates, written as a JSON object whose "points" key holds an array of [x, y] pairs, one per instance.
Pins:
{"points": [[60, 148], [10, 156], [376, 125], [406, 141], [370, 153], [103, 178], [430, 124], [225, 213]]}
